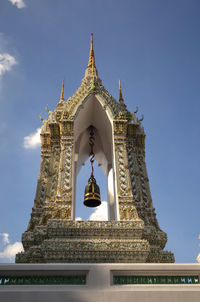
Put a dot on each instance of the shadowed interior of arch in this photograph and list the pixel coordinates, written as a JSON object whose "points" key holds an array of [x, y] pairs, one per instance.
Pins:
{"points": [[92, 112]]}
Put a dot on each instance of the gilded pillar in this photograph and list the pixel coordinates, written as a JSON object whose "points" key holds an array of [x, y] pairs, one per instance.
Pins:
{"points": [[42, 182], [65, 179], [127, 209]]}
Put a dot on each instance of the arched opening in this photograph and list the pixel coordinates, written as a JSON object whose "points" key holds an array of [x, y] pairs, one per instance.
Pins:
{"points": [[91, 112]]}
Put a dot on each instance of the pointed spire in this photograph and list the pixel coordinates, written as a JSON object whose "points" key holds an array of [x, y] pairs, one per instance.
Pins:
{"points": [[121, 100], [91, 72], [93, 67], [62, 91], [120, 91], [91, 61]]}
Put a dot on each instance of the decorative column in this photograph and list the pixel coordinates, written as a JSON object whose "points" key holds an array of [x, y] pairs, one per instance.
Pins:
{"points": [[42, 182], [65, 180], [111, 194], [52, 172], [127, 209]]}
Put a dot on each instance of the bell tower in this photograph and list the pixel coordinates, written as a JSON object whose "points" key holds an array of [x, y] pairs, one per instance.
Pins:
{"points": [[132, 233]]}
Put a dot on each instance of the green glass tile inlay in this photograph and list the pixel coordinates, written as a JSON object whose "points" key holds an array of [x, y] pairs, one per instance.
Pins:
{"points": [[43, 280], [120, 280]]}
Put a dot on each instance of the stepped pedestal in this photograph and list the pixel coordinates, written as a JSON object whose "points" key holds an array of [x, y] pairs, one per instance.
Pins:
{"points": [[85, 242]]}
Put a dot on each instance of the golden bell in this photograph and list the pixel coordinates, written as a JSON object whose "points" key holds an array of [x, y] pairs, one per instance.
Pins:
{"points": [[92, 194]]}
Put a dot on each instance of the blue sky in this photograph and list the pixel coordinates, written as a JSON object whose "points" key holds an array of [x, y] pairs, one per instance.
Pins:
{"points": [[154, 47]]}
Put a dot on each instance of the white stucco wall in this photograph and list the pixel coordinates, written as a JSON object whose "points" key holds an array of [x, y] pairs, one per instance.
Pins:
{"points": [[99, 286]]}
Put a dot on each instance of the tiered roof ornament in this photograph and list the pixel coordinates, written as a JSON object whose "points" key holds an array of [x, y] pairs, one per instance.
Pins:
{"points": [[132, 233], [91, 70], [91, 62]]}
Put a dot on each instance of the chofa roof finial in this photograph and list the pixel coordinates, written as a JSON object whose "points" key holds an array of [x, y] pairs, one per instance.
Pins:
{"points": [[62, 91], [120, 91], [121, 100]]}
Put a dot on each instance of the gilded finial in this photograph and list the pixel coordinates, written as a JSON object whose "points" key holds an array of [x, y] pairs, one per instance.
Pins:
{"points": [[91, 61], [93, 67], [120, 91], [47, 108], [62, 91]]}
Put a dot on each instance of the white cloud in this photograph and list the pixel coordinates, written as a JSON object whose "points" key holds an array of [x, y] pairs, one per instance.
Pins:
{"points": [[5, 238], [101, 212], [11, 250], [78, 219], [32, 141], [6, 62], [18, 3]]}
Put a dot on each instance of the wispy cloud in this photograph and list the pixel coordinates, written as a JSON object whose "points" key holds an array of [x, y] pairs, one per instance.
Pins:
{"points": [[101, 212], [18, 3], [5, 238], [32, 141], [6, 62], [11, 250]]}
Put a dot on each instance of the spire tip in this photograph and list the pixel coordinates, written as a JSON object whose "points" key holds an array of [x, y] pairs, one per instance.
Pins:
{"points": [[120, 91], [91, 61], [62, 91]]}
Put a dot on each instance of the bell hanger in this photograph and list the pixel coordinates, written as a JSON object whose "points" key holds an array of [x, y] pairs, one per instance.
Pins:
{"points": [[92, 196]]}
